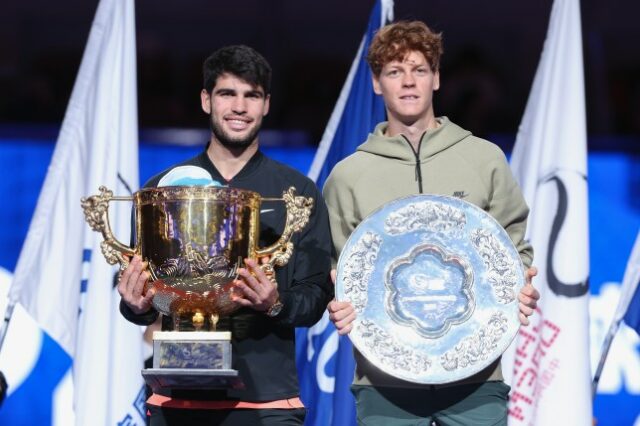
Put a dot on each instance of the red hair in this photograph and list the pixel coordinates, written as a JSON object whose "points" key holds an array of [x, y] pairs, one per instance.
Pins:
{"points": [[395, 41]]}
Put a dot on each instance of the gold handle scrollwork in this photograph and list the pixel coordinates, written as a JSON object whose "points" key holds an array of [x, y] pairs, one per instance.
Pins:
{"points": [[96, 213], [298, 212]]}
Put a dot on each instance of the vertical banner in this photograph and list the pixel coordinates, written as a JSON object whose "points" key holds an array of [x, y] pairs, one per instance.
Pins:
{"points": [[62, 278], [551, 383], [325, 360]]}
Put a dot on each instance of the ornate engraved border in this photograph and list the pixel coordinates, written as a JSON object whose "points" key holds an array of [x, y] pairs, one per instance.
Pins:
{"points": [[389, 352], [425, 216], [477, 347], [358, 268], [502, 272]]}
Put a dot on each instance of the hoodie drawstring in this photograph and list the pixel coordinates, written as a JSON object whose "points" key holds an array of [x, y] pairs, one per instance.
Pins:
{"points": [[418, 174]]}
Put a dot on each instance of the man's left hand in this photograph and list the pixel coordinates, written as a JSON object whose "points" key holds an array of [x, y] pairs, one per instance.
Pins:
{"points": [[254, 288], [528, 297]]}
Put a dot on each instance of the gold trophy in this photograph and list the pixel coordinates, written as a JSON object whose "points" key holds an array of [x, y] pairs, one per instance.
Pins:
{"points": [[194, 239]]}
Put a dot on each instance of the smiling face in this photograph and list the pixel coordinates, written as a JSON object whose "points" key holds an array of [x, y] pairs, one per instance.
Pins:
{"points": [[236, 109], [407, 87]]}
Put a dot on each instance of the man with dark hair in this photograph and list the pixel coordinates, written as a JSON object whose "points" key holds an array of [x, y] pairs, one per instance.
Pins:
{"points": [[415, 152], [236, 96]]}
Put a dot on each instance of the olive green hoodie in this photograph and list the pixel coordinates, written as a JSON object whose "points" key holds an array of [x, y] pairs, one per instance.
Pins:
{"points": [[449, 161]]}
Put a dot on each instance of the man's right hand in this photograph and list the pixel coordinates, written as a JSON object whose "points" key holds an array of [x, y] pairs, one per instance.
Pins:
{"points": [[131, 286], [341, 314]]}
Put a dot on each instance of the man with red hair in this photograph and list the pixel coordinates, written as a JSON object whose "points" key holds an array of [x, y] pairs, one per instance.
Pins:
{"points": [[415, 152]]}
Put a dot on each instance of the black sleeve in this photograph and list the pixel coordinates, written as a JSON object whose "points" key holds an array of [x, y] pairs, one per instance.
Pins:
{"points": [[140, 319], [309, 290]]}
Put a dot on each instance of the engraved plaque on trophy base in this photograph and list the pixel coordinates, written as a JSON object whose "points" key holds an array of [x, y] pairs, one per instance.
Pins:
{"points": [[192, 360], [192, 349]]}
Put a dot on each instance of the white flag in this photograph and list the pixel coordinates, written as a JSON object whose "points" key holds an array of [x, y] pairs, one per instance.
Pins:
{"points": [[61, 278], [551, 369]]}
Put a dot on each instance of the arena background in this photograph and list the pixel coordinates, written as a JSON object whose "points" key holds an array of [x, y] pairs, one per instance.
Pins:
{"points": [[491, 54]]}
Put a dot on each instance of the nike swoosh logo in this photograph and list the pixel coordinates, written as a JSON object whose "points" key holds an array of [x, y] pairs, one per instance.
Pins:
{"points": [[266, 210]]}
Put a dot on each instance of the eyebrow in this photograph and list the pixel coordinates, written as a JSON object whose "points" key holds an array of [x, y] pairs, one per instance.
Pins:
{"points": [[228, 90], [416, 64], [411, 64]]}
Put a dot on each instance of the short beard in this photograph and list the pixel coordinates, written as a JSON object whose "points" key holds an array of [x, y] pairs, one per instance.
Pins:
{"points": [[228, 142]]}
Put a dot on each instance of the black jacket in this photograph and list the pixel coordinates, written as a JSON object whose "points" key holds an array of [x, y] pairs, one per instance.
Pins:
{"points": [[263, 347]]}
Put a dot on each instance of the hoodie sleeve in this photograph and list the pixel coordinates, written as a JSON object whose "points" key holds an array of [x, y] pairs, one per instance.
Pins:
{"points": [[342, 210], [508, 207]]}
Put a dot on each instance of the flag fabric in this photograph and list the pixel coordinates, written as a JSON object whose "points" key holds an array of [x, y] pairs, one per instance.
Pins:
{"points": [[61, 278], [325, 360], [551, 369], [358, 109], [628, 308], [630, 295]]}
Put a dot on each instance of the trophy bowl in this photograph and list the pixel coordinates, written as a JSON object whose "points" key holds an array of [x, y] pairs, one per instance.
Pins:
{"points": [[194, 239]]}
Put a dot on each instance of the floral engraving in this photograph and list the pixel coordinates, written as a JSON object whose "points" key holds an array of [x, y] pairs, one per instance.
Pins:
{"points": [[425, 216], [477, 347], [194, 263], [358, 268], [110, 254], [389, 351], [502, 272]]}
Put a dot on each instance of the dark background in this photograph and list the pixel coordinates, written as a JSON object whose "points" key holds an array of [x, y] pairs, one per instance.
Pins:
{"points": [[492, 49]]}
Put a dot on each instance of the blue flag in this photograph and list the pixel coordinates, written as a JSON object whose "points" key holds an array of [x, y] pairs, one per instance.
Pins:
{"points": [[358, 109], [628, 308], [630, 291], [325, 360], [632, 317]]}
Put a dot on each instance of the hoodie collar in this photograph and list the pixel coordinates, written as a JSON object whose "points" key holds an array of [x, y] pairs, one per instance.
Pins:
{"points": [[398, 147]]}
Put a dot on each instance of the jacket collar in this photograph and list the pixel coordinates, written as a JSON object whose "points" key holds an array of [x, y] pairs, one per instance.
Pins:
{"points": [[248, 169]]}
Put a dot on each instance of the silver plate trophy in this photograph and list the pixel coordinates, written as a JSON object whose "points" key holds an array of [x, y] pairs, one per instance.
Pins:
{"points": [[434, 281]]}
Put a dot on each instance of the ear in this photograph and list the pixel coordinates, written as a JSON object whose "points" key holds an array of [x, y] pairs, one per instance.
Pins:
{"points": [[265, 107], [205, 101], [376, 84], [436, 81]]}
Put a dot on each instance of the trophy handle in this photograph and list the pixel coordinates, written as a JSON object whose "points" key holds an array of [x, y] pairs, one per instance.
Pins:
{"points": [[96, 213], [298, 212]]}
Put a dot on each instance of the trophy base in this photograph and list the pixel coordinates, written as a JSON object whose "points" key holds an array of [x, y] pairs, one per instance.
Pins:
{"points": [[192, 360], [192, 349], [195, 378]]}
